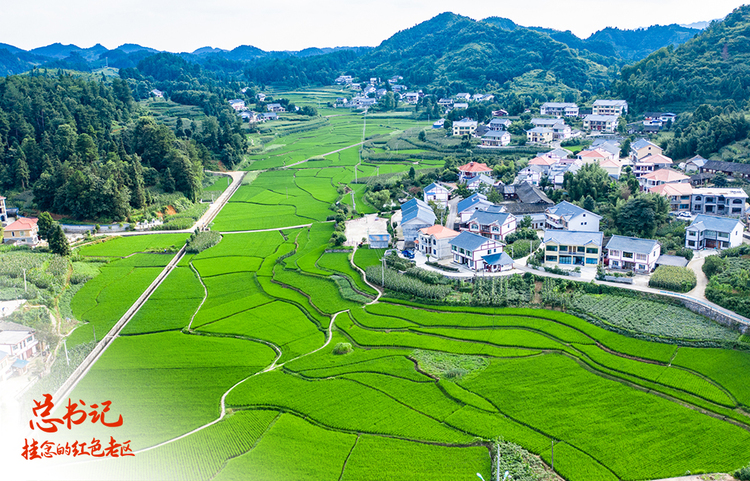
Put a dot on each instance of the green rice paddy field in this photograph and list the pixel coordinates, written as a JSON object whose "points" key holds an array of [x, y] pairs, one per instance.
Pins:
{"points": [[246, 331]]}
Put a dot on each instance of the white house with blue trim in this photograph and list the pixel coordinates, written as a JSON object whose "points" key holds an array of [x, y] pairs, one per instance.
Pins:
{"points": [[437, 193], [468, 249], [713, 232]]}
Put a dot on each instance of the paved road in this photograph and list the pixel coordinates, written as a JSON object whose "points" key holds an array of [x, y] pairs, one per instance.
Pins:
{"points": [[452, 213]]}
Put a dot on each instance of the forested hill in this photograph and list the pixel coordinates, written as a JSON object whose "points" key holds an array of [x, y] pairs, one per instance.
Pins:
{"points": [[87, 151], [452, 50], [712, 68]]}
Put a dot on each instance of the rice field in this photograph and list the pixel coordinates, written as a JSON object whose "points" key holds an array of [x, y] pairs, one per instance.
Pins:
{"points": [[420, 392]]}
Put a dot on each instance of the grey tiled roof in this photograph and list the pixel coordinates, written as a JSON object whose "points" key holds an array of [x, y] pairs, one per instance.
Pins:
{"points": [[712, 222], [501, 259], [573, 238], [631, 244], [469, 241]]}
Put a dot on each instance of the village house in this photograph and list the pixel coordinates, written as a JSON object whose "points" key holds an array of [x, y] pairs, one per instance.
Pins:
{"points": [[600, 123], [572, 248], [662, 176], [567, 216], [435, 241], [445, 102], [343, 79], [492, 223], [556, 173], [275, 108], [607, 145], [460, 105], [495, 138], [471, 170], [633, 254], [467, 207], [23, 231], [465, 126], [411, 98], [650, 163], [261, 97], [18, 341], [3, 210], [713, 232], [610, 107], [544, 162], [558, 153], [157, 93], [547, 123], [731, 169], [531, 174], [559, 109], [463, 96], [693, 165], [539, 135], [719, 201], [437, 193], [481, 181], [498, 124], [561, 131], [238, 105], [594, 156], [416, 214], [468, 248], [612, 167], [439, 124], [498, 262], [642, 148], [270, 116], [678, 194]]}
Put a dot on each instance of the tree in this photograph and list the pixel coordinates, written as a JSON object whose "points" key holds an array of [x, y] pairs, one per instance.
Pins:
{"points": [[45, 224], [589, 204], [422, 136], [168, 182], [720, 179], [441, 213], [22, 173], [412, 173], [494, 196], [625, 149], [713, 265], [58, 243], [462, 190], [526, 222]]}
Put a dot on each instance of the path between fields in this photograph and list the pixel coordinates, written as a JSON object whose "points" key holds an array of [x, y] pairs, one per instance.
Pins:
{"points": [[323, 155]]}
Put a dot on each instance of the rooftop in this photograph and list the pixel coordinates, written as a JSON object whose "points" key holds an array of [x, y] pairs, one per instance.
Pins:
{"points": [[573, 238], [11, 338], [725, 191], [542, 160], [678, 188], [712, 222], [655, 159], [24, 223], [601, 118], [665, 260], [727, 167], [502, 259], [631, 244], [475, 167], [470, 241], [439, 232], [641, 143], [566, 209], [665, 175], [486, 218], [471, 201]]}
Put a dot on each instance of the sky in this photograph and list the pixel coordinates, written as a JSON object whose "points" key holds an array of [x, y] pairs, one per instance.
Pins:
{"points": [[185, 25]]}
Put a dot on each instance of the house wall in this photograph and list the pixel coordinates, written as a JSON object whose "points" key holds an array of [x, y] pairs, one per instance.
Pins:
{"points": [[642, 262], [473, 259], [715, 205], [571, 256], [411, 229]]}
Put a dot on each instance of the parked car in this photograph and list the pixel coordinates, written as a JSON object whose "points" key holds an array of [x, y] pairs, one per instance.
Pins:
{"points": [[408, 254], [684, 215]]}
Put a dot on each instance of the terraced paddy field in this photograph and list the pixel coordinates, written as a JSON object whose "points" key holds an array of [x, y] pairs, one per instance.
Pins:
{"points": [[282, 359]]}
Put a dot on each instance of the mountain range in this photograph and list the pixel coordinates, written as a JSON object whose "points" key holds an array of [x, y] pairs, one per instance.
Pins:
{"points": [[617, 46]]}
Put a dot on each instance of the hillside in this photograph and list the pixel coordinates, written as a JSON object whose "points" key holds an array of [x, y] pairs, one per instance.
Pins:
{"points": [[637, 44], [453, 51], [712, 68]]}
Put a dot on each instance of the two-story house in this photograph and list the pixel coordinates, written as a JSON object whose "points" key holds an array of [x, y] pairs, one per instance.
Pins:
{"points": [[498, 124], [567, 216], [492, 223], [469, 248], [465, 126], [643, 148], [662, 176], [610, 107], [633, 254], [471, 204], [23, 231], [468, 171], [559, 109], [650, 163], [435, 241], [495, 138], [572, 248], [438, 193], [600, 123], [679, 195], [18, 340], [713, 232], [238, 105], [275, 108], [719, 201], [539, 135]]}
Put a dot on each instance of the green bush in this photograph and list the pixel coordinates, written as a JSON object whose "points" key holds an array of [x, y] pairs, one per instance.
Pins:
{"points": [[427, 276], [673, 278], [713, 265], [198, 242], [743, 474], [342, 348]]}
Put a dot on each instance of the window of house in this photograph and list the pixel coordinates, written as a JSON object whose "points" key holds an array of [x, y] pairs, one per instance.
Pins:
{"points": [[563, 248], [691, 243], [566, 260], [551, 248], [612, 253], [641, 257], [627, 255], [580, 249], [590, 260], [551, 258]]}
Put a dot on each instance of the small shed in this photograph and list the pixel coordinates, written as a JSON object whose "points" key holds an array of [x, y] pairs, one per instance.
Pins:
{"points": [[379, 241], [498, 262], [666, 260]]}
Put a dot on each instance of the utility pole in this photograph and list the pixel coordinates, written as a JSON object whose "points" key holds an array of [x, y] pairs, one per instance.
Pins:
{"points": [[497, 475], [94, 327], [65, 343]]}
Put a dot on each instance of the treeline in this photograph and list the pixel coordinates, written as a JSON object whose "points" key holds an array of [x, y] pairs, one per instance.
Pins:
{"points": [[76, 142], [705, 131], [300, 71], [712, 68]]}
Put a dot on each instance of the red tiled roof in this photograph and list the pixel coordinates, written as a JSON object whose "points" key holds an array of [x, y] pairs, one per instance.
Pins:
{"points": [[439, 231], [672, 189], [655, 159], [24, 223], [542, 160], [665, 175], [474, 167]]}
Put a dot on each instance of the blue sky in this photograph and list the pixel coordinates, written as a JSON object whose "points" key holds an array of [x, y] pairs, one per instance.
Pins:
{"points": [[185, 25]]}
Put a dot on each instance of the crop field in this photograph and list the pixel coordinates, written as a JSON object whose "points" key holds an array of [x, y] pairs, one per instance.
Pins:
{"points": [[318, 381], [124, 246]]}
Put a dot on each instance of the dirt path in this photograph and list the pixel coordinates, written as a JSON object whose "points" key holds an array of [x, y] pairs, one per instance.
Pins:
{"points": [[323, 155]]}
